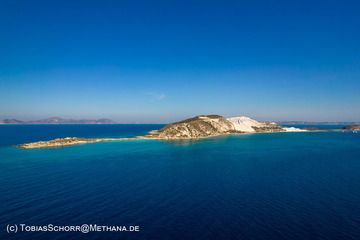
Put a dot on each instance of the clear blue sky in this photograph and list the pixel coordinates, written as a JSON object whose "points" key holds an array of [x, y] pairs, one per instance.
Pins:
{"points": [[159, 61]]}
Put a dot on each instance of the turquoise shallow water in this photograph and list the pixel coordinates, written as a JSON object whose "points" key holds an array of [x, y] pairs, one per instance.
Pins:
{"points": [[260, 186]]}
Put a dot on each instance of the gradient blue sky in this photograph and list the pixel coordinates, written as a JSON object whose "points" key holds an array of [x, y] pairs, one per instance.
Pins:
{"points": [[160, 61]]}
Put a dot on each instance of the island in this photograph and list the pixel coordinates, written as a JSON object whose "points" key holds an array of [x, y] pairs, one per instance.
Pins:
{"points": [[198, 127]]}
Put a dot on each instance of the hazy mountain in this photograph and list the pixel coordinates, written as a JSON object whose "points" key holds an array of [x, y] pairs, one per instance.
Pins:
{"points": [[58, 120], [12, 121]]}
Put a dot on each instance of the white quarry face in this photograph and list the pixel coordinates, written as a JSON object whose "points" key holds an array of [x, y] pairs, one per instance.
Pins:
{"points": [[244, 124]]}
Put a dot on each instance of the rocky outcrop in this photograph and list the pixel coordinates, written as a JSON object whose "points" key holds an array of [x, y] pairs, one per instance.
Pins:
{"points": [[353, 127], [197, 127]]}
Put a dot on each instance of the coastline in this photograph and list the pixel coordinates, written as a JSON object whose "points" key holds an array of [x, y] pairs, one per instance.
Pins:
{"points": [[71, 141]]}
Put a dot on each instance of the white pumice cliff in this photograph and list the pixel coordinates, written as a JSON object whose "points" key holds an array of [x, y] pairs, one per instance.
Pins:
{"points": [[249, 125]]}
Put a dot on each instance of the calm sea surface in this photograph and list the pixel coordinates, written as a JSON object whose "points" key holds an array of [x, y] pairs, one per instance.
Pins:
{"points": [[262, 186]]}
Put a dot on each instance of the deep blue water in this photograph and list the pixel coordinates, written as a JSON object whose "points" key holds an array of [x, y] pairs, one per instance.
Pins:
{"points": [[261, 186]]}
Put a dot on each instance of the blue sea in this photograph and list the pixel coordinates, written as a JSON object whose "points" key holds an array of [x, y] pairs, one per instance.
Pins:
{"points": [[301, 186]]}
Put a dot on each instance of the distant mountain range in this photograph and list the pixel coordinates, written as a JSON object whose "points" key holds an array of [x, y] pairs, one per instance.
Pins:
{"points": [[58, 120]]}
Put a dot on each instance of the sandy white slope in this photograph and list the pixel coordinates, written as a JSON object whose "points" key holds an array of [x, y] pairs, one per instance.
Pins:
{"points": [[244, 124]]}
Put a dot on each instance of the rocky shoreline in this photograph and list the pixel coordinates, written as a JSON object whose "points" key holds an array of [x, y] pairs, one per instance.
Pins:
{"points": [[353, 127], [68, 141]]}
